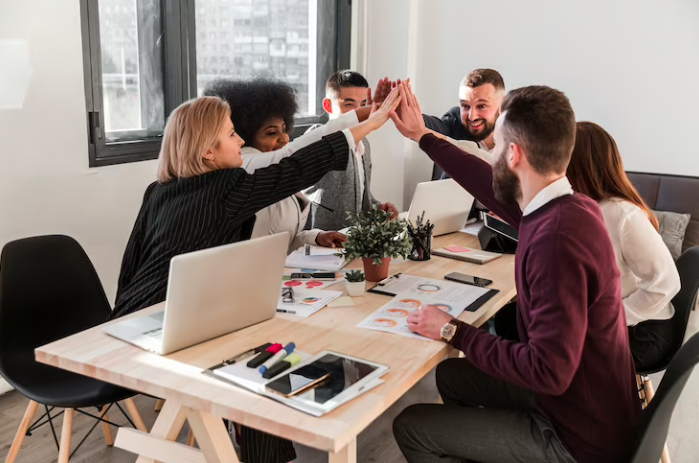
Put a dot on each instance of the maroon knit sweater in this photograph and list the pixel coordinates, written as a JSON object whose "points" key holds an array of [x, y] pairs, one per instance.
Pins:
{"points": [[574, 350]]}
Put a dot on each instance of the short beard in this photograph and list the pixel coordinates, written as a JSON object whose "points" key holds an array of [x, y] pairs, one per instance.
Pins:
{"points": [[488, 129], [506, 184]]}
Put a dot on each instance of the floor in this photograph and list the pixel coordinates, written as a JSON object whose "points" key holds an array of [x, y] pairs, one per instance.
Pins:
{"points": [[376, 444]]}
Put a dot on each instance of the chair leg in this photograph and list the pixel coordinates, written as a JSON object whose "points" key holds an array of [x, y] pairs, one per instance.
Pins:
{"points": [[22, 432], [650, 392], [107, 430], [66, 436], [159, 405], [135, 415], [191, 440]]}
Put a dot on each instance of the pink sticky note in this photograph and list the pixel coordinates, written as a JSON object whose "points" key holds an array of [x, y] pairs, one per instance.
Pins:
{"points": [[457, 248]]}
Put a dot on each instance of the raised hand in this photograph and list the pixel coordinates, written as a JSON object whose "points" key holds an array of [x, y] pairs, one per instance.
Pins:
{"points": [[409, 122], [383, 88], [378, 116]]}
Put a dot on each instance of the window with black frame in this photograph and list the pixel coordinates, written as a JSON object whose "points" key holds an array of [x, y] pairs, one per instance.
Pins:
{"points": [[145, 57]]}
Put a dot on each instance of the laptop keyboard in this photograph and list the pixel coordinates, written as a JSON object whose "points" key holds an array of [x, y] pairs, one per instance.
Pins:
{"points": [[155, 334]]}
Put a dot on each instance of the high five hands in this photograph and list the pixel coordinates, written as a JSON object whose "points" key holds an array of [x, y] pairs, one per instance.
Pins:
{"points": [[408, 119]]}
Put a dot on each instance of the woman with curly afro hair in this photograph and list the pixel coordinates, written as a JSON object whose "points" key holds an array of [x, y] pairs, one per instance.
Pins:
{"points": [[263, 115]]}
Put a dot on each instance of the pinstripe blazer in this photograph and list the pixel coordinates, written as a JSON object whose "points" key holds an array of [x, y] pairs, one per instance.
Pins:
{"points": [[209, 210]]}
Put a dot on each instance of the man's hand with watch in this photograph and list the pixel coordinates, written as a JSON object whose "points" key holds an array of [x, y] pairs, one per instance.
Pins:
{"points": [[433, 323]]}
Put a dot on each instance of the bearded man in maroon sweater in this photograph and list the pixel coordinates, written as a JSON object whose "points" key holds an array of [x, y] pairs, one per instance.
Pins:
{"points": [[565, 392]]}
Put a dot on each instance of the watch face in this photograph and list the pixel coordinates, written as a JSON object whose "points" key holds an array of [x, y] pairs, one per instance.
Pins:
{"points": [[448, 331]]}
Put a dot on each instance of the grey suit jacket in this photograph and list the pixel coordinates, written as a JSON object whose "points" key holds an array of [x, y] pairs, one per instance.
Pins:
{"points": [[338, 192]]}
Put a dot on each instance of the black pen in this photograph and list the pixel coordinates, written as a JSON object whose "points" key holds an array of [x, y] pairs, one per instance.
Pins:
{"points": [[242, 356], [324, 207]]}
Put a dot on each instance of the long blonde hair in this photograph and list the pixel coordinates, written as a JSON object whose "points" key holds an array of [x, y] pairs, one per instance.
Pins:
{"points": [[191, 131]]}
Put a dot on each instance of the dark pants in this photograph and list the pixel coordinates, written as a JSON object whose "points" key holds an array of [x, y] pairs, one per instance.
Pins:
{"points": [[259, 447], [507, 428], [651, 342]]}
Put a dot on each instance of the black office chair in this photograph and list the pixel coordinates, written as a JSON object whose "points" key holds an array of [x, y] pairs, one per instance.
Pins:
{"points": [[49, 290], [684, 302], [656, 416]]}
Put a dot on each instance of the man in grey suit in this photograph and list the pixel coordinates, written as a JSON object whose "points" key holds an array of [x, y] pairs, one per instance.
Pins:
{"points": [[350, 190]]}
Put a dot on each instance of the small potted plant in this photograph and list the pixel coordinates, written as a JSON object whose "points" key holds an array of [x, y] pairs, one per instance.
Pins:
{"points": [[355, 283], [376, 239]]}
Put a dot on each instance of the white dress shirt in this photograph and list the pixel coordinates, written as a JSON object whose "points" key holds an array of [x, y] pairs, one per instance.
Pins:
{"points": [[649, 278], [560, 187]]}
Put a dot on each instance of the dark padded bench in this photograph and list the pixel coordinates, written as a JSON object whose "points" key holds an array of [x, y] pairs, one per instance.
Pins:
{"points": [[672, 193]]}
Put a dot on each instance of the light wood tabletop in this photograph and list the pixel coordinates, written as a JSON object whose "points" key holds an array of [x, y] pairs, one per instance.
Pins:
{"points": [[202, 400]]}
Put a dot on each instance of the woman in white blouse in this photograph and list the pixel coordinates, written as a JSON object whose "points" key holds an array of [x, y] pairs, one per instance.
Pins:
{"points": [[265, 111], [649, 278]]}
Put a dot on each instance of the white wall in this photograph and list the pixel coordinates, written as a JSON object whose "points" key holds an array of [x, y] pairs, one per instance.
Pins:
{"points": [[45, 184], [387, 54], [630, 65]]}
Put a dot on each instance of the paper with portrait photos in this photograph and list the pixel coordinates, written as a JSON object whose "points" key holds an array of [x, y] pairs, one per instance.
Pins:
{"points": [[393, 317]]}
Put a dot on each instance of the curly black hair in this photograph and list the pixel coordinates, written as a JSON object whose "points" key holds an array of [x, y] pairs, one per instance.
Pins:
{"points": [[254, 101]]}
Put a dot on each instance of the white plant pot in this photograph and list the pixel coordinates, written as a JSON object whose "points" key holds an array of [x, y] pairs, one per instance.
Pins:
{"points": [[355, 289]]}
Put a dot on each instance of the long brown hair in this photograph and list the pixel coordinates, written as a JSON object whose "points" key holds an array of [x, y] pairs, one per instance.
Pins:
{"points": [[596, 169]]}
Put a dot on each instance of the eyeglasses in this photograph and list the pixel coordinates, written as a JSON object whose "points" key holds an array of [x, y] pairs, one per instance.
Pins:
{"points": [[288, 295]]}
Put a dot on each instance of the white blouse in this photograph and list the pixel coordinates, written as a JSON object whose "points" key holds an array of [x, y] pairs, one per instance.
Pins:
{"points": [[649, 278]]}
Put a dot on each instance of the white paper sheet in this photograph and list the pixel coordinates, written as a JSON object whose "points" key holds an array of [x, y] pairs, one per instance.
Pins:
{"points": [[307, 301], [392, 317]]}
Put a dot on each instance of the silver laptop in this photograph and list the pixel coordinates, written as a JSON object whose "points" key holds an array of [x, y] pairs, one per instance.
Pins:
{"points": [[211, 293], [445, 203]]}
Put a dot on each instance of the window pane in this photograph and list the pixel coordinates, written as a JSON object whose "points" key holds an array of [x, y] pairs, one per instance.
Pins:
{"points": [[243, 38], [132, 69]]}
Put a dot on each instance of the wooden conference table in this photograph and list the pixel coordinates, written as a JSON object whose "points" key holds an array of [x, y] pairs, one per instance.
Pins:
{"points": [[203, 400]]}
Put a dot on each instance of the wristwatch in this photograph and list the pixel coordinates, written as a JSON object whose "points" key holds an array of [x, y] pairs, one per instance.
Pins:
{"points": [[448, 331]]}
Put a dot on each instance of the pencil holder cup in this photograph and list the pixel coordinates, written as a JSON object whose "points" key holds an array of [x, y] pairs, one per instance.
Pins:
{"points": [[422, 246]]}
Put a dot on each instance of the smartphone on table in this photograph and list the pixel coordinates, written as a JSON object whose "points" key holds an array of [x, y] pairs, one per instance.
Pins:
{"points": [[299, 380], [468, 279], [314, 276]]}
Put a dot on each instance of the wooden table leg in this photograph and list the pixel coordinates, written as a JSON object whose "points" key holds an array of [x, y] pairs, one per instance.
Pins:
{"points": [[212, 436], [167, 426], [159, 405], [135, 415], [346, 455]]}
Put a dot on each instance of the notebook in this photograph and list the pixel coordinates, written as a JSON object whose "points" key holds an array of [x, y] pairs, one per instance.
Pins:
{"points": [[474, 256], [319, 259]]}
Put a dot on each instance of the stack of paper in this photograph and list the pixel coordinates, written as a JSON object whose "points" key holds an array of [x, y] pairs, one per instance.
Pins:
{"points": [[318, 259]]}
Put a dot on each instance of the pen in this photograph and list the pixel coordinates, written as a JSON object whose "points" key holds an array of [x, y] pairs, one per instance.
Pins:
{"points": [[277, 357], [292, 312], [264, 356], [283, 365], [386, 280], [324, 207], [242, 356]]}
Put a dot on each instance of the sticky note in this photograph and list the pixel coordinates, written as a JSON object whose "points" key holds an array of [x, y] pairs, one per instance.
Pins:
{"points": [[344, 301], [457, 248]]}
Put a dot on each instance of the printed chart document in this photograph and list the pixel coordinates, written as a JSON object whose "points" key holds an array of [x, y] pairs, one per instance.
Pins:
{"points": [[392, 317], [306, 301], [436, 289], [310, 284]]}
